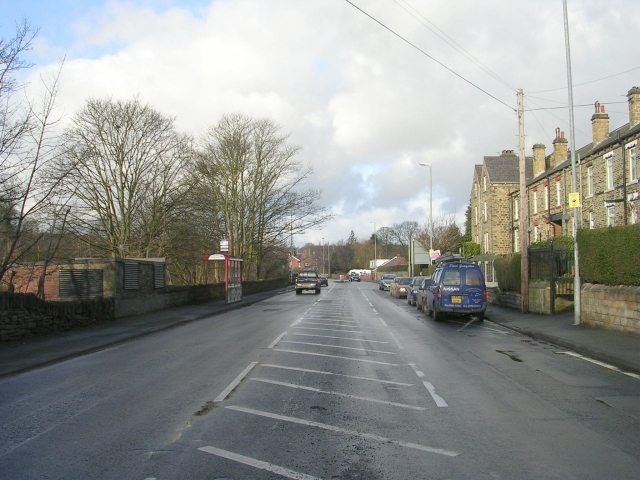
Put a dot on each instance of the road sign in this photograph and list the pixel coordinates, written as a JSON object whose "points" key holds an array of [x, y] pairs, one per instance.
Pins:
{"points": [[224, 245], [574, 200]]}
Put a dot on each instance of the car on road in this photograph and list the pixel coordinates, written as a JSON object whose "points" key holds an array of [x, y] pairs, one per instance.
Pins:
{"points": [[413, 289], [324, 281], [458, 288], [385, 281], [401, 286], [354, 277], [421, 292], [307, 280]]}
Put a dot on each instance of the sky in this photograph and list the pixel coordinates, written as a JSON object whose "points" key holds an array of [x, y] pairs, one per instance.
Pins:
{"points": [[430, 81]]}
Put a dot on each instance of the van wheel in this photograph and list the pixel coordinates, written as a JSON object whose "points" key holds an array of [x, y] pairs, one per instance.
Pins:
{"points": [[480, 318], [427, 310], [298, 292], [437, 316]]}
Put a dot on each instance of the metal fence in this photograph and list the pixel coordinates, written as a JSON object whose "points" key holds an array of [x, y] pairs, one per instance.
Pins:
{"points": [[554, 264]]}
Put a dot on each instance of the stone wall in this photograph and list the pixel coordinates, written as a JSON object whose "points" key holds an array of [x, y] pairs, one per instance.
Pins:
{"points": [[22, 315], [616, 308]]}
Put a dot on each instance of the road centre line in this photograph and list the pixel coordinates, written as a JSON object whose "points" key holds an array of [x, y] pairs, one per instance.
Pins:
{"points": [[336, 374], [235, 383], [354, 433], [331, 329], [338, 346], [436, 398], [383, 322], [330, 324], [415, 369], [330, 319], [335, 356], [296, 322], [341, 338], [396, 340], [338, 394], [598, 362], [370, 304], [375, 311], [275, 342], [259, 464]]}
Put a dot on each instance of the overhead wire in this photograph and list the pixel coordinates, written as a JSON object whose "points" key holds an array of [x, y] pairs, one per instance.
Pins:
{"points": [[456, 46], [591, 81], [429, 56]]}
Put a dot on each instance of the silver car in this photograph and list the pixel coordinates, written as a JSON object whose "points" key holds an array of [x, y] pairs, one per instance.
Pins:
{"points": [[385, 281]]}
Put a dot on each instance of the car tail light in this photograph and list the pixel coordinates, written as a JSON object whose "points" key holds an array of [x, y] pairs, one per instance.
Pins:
{"points": [[484, 295], [439, 293]]}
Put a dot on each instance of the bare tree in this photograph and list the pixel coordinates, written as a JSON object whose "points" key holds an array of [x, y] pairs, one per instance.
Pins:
{"points": [[446, 234], [247, 171], [126, 162]]}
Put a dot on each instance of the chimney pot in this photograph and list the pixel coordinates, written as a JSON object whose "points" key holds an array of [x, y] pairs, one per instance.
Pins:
{"points": [[599, 124], [634, 106]]}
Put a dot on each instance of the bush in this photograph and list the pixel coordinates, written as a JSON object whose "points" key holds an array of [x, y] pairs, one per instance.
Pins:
{"points": [[610, 256], [508, 270]]}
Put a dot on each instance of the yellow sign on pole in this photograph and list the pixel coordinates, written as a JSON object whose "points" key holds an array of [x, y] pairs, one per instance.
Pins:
{"points": [[574, 200]]}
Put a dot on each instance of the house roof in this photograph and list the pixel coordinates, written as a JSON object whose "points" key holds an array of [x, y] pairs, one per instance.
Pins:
{"points": [[505, 168], [397, 260]]}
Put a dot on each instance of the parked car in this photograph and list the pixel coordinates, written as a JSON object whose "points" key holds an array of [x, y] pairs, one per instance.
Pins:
{"points": [[324, 281], [421, 292], [307, 280], [385, 281], [354, 277], [413, 289], [401, 286], [456, 288]]}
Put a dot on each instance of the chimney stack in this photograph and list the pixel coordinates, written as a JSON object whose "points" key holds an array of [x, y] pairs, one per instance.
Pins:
{"points": [[539, 159], [599, 124], [560, 149], [634, 106], [507, 152]]}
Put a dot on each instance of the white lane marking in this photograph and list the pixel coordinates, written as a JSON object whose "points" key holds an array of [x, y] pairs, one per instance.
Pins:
{"points": [[336, 374], [375, 311], [296, 322], [275, 342], [235, 383], [341, 338], [354, 433], [252, 462], [396, 340], [415, 369], [338, 394], [383, 322], [598, 362], [330, 329], [436, 398], [335, 356], [330, 324], [370, 304], [338, 346]]}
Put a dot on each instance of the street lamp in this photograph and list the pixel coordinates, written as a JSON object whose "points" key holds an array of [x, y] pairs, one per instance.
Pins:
{"points": [[323, 255], [375, 246], [424, 164]]}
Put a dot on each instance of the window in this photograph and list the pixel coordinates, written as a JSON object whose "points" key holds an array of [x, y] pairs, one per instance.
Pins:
{"points": [[516, 214], [592, 224], [486, 243], [633, 163], [472, 277], [535, 201], [536, 234], [610, 173], [476, 190], [546, 197], [484, 184], [485, 211], [476, 214], [634, 214], [516, 240], [558, 193], [611, 216], [590, 181], [451, 277]]}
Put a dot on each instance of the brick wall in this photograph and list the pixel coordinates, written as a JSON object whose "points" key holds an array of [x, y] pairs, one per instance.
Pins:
{"points": [[616, 308]]}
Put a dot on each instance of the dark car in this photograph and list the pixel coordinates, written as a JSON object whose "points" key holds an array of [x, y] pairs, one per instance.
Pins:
{"points": [[421, 292], [307, 280], [413, 289], [324, 281], [354, 277], [457, 287], [385, 281]]}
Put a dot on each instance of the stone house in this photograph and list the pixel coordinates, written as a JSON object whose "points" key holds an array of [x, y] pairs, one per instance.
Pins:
{"points": [[492, 208]]}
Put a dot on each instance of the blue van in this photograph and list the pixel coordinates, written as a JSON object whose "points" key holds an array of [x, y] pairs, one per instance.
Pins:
{"points": [[457, 287]]}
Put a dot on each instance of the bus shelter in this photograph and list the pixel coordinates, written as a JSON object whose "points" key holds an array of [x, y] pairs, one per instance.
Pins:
{"points": [[232, 276]]}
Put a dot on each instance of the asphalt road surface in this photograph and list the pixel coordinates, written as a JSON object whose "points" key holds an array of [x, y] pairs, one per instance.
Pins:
{"points": [[348, 384]]}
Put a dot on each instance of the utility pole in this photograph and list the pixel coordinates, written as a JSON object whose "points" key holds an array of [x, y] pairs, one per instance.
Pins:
{"points": [[323, 255], [524, 211], [574, 182]]}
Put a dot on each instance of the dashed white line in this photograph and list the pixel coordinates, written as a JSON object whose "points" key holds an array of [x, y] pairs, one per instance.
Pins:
{"points": [[330, 329], [338, 394], [235, 383], [383, 322], [341, 338], [396, 340], [415, 369], [328, 324], [354, 433], [252, 462], [296, 322], [436, 398], [339, 346], [275, 342], [336, 374], [335, 356]]}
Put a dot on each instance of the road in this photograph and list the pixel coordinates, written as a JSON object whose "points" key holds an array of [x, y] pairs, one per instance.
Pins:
{"points": [[348, 384]]}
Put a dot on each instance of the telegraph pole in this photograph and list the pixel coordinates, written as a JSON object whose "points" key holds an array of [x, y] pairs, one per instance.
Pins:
{"points": [[524, 211]]}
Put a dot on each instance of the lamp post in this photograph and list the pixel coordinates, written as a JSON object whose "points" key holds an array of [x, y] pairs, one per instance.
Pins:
{"points": [[424, 164], [323, 255], [375, 246]]}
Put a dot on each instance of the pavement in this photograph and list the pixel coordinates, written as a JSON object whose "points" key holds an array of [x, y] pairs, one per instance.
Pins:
{"points": [[616, 348]]}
